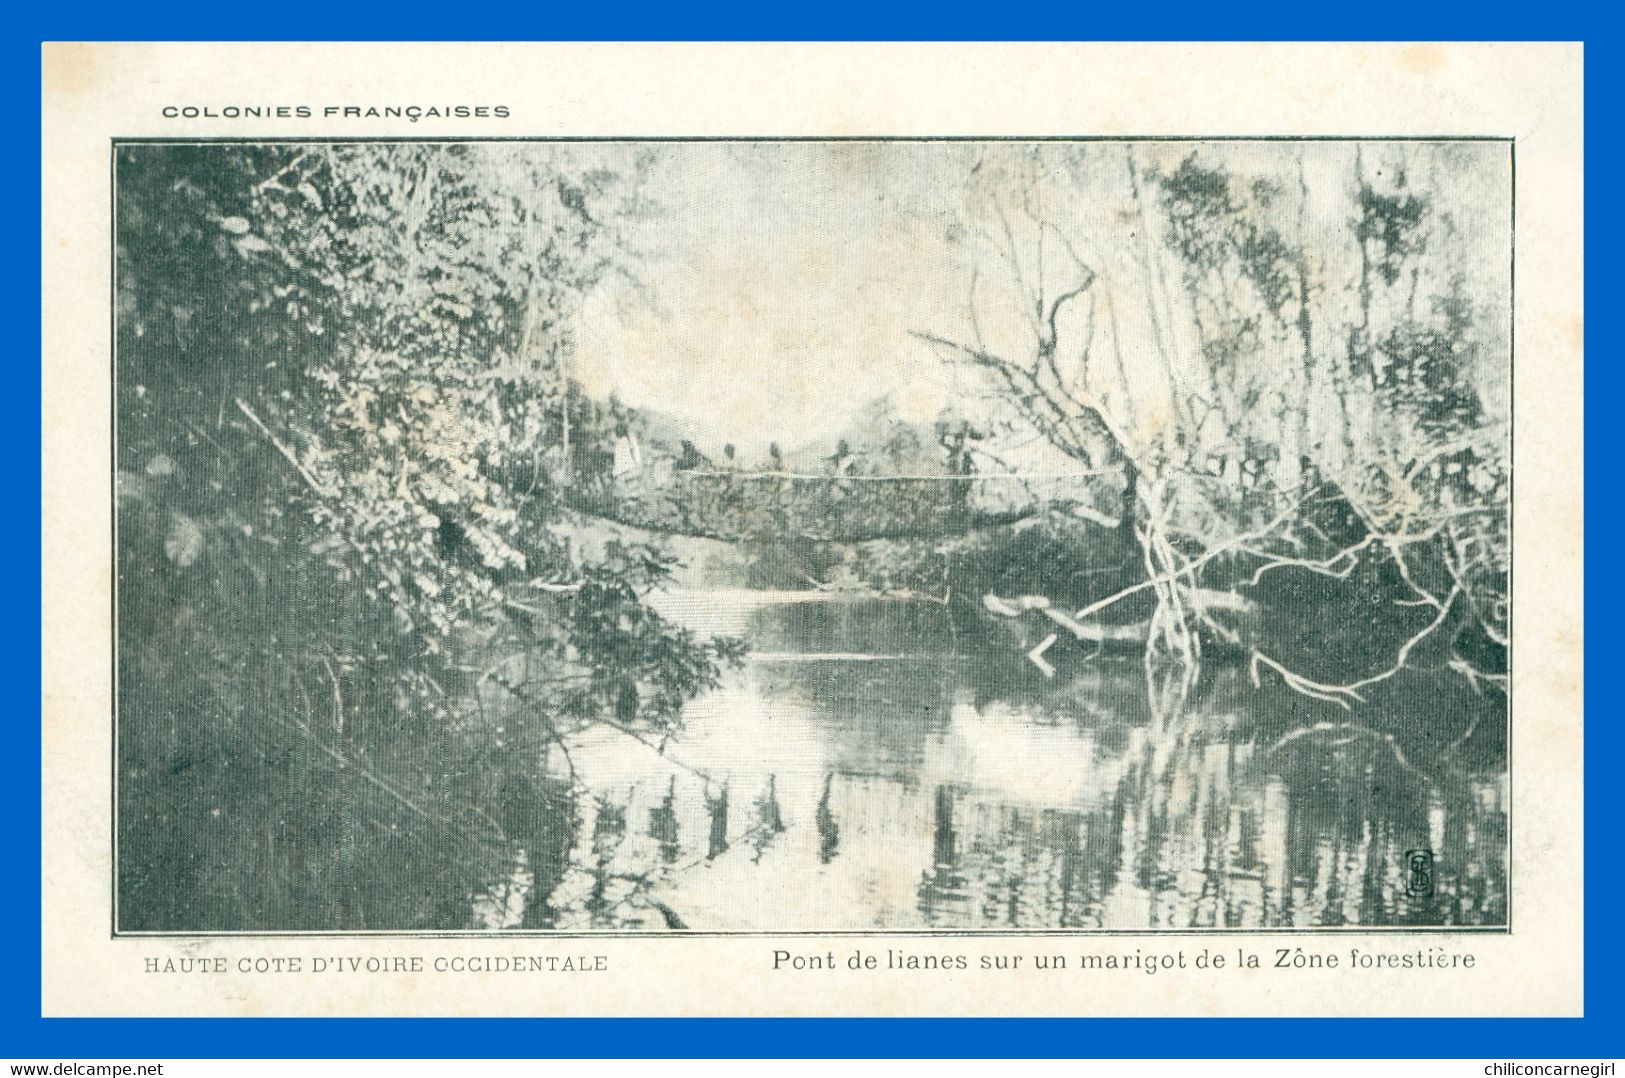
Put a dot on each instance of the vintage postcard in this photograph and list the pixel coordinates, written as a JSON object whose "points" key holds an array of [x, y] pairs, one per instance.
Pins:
{"points": [[626, 530]]}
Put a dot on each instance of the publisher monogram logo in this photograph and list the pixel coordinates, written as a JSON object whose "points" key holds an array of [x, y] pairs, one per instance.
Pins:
{"points": [[1419, 872]]}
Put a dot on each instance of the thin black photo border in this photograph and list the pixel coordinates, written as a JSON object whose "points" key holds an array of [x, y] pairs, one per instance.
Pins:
{"points": [[116, 143]]}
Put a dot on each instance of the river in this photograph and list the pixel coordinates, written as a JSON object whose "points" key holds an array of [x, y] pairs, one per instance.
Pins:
{"points": [[868, 769]]}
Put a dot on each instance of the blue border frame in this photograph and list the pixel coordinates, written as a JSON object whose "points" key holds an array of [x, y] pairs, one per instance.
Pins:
{"points": [[24, 1034]]}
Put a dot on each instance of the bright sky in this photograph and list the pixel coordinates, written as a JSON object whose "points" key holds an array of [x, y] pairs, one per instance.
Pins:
{"points": [[786, 280]]}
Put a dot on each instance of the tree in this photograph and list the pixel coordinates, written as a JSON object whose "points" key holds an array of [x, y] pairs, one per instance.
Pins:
{"points": [[1288, 370], [344, 567]]}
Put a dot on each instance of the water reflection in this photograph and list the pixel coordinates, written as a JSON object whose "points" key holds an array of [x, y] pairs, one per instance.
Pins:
{"points": [[823, 788]]}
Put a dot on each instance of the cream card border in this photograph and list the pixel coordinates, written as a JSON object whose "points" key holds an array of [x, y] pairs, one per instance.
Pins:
{"points": [[1532, 93]]}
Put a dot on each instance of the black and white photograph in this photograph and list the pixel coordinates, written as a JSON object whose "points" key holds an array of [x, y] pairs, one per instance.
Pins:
{"points": [[778, 536]]}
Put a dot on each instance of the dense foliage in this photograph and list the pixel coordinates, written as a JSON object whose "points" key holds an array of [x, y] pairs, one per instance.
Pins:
{"points": [[356, 619], [1293, 388]]}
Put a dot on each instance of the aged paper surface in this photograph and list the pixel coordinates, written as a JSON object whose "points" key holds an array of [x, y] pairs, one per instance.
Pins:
{"points": [[812, 530]]}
